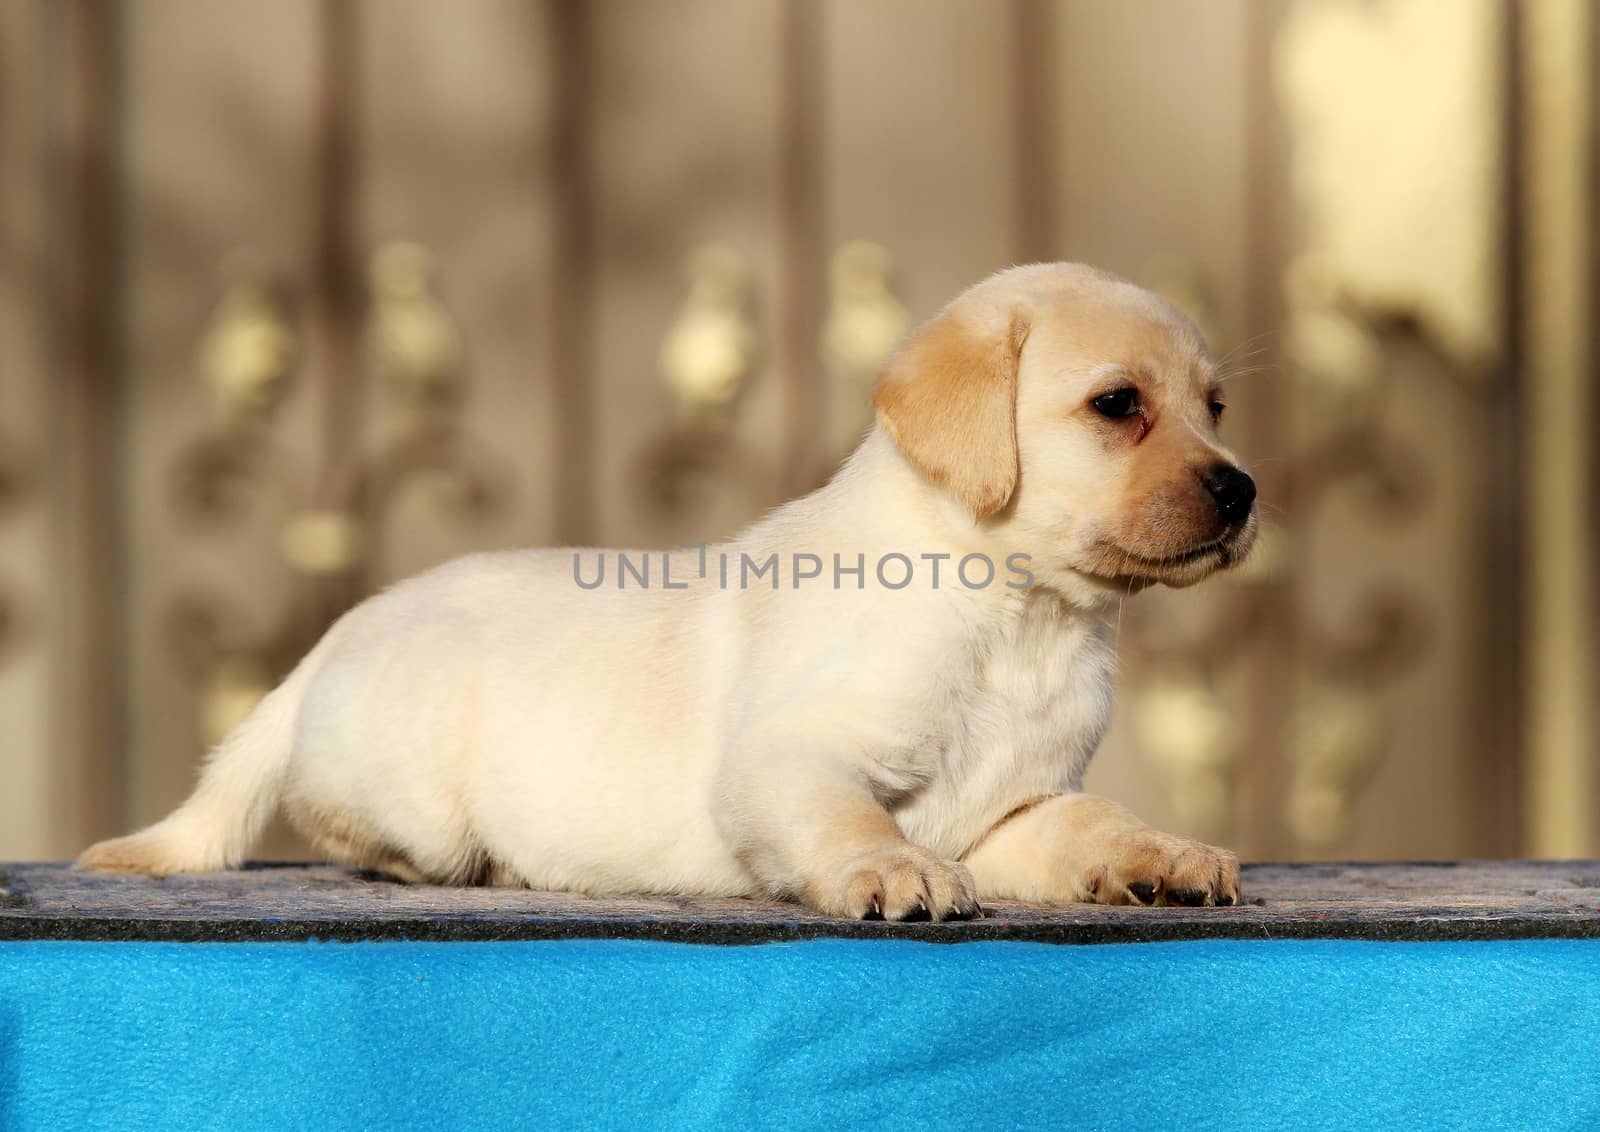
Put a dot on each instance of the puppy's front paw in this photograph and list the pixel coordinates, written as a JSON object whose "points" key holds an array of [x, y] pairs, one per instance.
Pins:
{"points": [[904, 883], [1144, 866]]}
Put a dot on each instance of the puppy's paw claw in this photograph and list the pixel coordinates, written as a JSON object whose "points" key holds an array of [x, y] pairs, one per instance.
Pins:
{"points": [[1148, 868], [906, 885], [1143, 891]]}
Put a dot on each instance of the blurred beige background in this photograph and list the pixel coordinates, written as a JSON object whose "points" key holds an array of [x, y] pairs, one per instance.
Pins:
{"points": [[300, 297]]}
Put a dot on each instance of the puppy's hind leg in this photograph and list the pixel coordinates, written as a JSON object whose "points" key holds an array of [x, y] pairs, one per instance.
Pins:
{"points": [[346, 838], [341, 843]]}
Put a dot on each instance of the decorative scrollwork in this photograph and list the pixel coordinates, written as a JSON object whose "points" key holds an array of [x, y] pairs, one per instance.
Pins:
{"points": [[1405, 157], [1183, 724], [231, 664], [685, 464], [413, 340], [865, 318], [249, 346], [706, 359], [327, 544], [1337, 732], [711, 348], [472, 486], [1385, 631], [215, 478], [1408, 158]]}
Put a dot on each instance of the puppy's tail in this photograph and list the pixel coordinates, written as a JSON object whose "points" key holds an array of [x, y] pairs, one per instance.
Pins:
{"points": [[238, 793]]}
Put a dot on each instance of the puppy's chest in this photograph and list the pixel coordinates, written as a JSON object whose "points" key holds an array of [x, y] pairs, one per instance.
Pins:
{"points": [[1042, 699]]}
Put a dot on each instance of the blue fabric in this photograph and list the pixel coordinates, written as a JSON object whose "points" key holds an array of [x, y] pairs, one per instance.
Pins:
{"points": [[828, 1034]]}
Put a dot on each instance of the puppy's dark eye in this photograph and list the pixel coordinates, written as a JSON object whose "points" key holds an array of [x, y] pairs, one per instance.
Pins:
{"points": [[1118, 403], [1217, 408]]}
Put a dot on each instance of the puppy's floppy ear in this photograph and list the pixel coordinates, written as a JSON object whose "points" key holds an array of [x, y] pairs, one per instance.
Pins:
{"points": [[948, 397]]}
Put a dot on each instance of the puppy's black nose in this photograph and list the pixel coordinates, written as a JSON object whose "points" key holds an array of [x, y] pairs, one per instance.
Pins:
{"points": [[1232, 491]]}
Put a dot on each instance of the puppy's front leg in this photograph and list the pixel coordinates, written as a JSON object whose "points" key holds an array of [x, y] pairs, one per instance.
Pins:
{"points": [[807, 825], [1073, 848]]}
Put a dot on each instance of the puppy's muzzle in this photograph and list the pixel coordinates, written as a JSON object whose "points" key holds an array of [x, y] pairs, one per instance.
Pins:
{"points": [[1233, 492]]}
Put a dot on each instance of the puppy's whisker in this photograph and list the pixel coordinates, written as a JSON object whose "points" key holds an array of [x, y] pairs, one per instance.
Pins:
{"points": [[1249, 347], [1238, 367], [1252, 371], [1127, 592]]}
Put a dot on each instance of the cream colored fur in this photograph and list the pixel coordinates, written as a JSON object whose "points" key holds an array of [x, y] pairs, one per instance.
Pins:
{"points": [[872, 751]]}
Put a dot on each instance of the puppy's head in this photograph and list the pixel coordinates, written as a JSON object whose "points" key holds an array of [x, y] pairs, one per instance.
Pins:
{"points": [[1076, 415]]}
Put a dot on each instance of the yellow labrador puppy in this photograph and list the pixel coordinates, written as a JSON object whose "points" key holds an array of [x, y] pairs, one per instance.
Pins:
{"points": [[879, 700]]}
